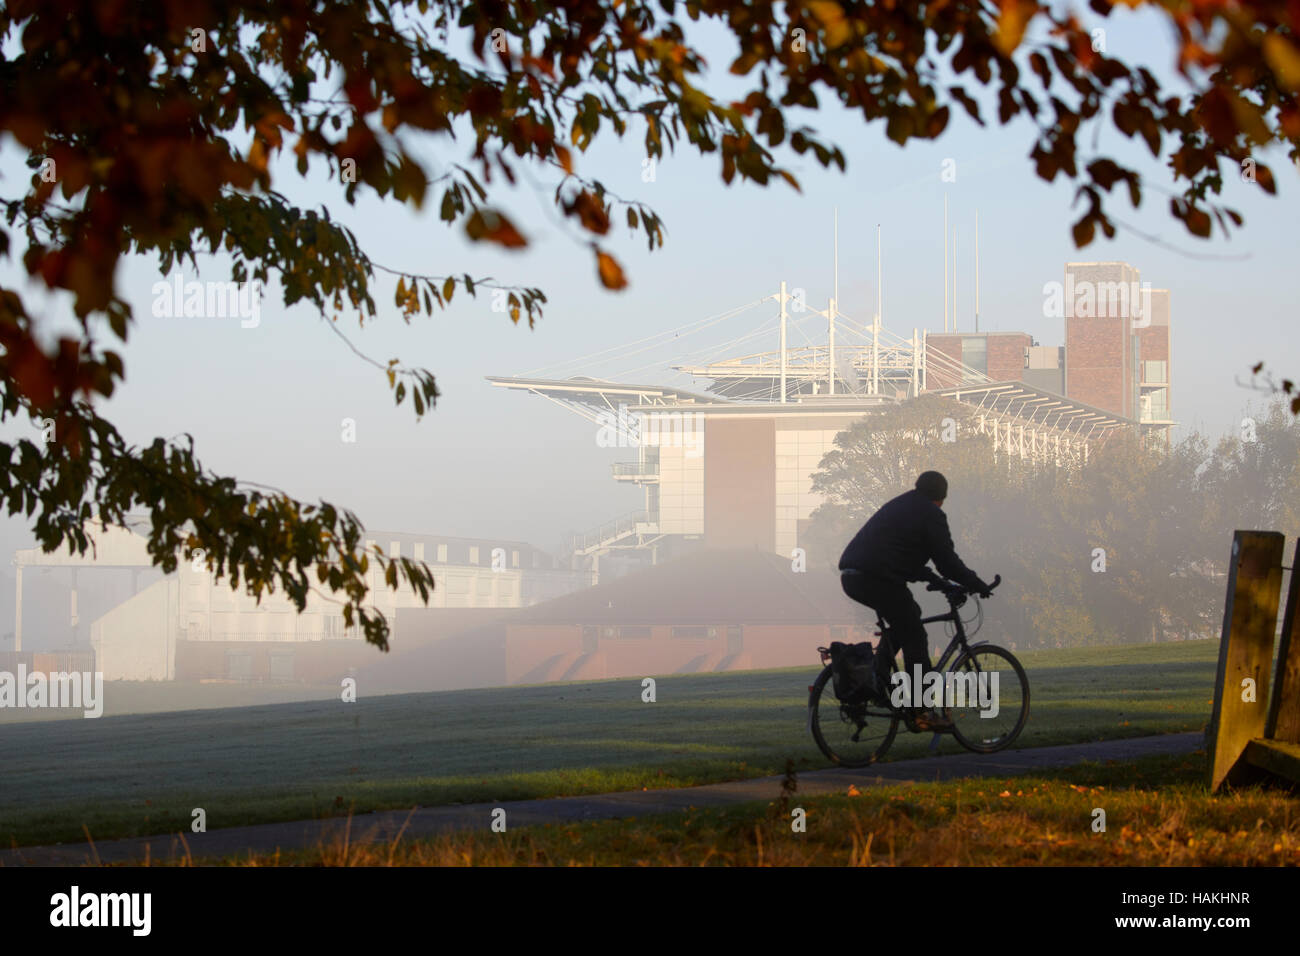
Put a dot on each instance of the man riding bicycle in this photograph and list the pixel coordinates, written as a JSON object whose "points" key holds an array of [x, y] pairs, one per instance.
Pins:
{"points": [[890, 550]]}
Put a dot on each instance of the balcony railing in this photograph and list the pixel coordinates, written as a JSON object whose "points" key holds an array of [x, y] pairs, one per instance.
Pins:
{"points": [[609, 531], [635, 469]]}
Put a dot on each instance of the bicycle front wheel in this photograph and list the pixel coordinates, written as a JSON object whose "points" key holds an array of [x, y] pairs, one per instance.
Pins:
{"points": [[989, 700], [849, 733]]}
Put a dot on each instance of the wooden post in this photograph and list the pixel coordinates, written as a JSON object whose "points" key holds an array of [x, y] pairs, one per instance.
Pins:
{"points": [[1245, 650], [1284, 720]]}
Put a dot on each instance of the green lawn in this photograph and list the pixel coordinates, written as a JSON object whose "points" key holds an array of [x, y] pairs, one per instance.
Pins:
{"points": [[131, 775]]}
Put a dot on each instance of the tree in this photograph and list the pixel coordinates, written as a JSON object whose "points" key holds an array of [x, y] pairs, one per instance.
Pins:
{"points": [[880, 455], [151, 128], [1253, 477], [1126, 548]]}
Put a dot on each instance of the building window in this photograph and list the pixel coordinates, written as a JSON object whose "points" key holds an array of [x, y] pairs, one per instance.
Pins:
{"points": [[1154, 371], [694, 632], [514, 559], [419, 551], [281, 667], [473, 554], [975, 356], [442, 553]]}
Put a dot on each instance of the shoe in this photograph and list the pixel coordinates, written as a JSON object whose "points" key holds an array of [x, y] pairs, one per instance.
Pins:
{"points": [[932, 721]]}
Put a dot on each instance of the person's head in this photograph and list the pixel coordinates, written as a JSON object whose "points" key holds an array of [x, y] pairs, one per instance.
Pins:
{"points": [[933, 485]]}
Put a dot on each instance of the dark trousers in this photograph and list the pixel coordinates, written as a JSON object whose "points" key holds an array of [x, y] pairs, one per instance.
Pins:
{"points": [[893, 602]]}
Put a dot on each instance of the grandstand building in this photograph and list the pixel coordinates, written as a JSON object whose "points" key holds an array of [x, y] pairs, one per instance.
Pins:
{"points": [[730, 464]]}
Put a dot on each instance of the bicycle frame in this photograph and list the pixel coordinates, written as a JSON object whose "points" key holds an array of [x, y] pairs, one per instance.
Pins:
{"points": [[955, 644]]}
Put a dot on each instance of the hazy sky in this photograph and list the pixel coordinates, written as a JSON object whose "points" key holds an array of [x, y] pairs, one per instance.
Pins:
{"points": [[266, 403]]}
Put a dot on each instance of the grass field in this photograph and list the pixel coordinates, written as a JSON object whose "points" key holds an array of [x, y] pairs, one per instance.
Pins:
{"points": [[1158, 813], [126, 698], [133, 775]]}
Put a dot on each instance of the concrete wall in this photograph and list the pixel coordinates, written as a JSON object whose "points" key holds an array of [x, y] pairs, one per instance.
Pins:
{"points": [[798, 453], [681, 488], [1155, 344], [740, 483], [134, 641]]}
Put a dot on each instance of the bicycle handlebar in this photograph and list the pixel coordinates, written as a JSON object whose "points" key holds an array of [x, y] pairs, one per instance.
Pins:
{"points": [[952, 587]]}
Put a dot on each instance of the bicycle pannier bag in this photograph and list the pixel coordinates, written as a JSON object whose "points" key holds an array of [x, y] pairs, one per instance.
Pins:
{"points": [[853, 670]]}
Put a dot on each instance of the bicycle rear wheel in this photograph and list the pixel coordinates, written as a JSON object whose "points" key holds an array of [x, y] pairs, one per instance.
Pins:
{"points": [[851, 734], [991, 698]]}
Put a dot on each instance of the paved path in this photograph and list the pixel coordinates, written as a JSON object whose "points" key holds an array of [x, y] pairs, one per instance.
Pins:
{"points": [[429, 821]]}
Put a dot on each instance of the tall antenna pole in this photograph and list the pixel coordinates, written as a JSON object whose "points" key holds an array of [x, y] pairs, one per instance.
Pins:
{"points": [[977, 270], [783, 342], [835, 287], [835, 298], [954, 278], [945, 262], [875, 326], [830, 354]]}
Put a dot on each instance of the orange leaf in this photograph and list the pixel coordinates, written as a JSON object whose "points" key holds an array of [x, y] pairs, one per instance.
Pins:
{"points": [[1013, 19], [590, 212], [494, 227], [611, 273], [1284, 59]]}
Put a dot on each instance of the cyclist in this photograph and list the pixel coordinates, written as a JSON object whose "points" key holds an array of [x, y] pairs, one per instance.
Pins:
{"points": [[892, 549]]}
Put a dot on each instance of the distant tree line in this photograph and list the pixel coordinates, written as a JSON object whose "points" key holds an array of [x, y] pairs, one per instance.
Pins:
{"points": [[1130, 547]]}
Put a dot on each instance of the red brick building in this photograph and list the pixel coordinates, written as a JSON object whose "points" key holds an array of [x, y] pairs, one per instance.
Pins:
{"points": [[998, 355], [1117, 354], [1102, 303], [711, 610]]}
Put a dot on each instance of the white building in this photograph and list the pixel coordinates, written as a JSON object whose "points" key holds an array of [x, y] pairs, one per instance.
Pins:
{"points": [[141, 638]]}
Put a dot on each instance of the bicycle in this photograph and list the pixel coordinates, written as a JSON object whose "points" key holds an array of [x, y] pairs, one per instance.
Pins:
{"points": [[863, 728]]}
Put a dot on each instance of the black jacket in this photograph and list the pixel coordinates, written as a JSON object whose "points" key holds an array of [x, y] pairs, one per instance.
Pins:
{"points": [[901, 537]]}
